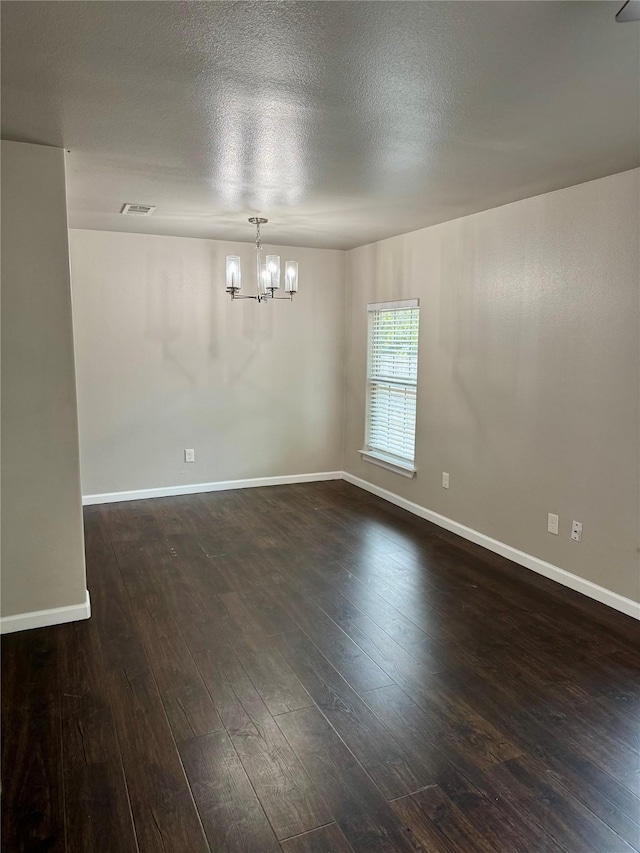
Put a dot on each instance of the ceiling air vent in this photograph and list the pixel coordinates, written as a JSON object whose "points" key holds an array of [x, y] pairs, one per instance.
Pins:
{"points": [[137, 209]]}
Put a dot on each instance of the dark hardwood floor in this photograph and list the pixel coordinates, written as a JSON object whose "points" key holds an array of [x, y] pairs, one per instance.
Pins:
{"points": [[307, 669]]}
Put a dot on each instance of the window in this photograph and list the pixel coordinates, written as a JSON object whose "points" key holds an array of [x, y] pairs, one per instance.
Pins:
{"points": [[392, 375]]}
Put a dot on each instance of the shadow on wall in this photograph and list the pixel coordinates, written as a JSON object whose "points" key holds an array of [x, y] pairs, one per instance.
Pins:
{"points": [[239, 354], [167, 315], [487, 333], [182, 303], [392, 268]]}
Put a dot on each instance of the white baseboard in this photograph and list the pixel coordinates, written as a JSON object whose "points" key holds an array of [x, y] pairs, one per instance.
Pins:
{"points": [[44, 618], [198, 488], [592, 590], [586, 587]]}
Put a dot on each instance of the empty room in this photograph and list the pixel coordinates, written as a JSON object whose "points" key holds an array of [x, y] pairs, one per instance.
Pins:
{"points": [[357, 573]]}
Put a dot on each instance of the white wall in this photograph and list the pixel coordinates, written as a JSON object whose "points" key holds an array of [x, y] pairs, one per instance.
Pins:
{"points": [[166, 362], [42, 537], [528, 389]]}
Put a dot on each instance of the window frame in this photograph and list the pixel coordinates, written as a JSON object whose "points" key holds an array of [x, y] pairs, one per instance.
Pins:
{"points": [[392, 462]]}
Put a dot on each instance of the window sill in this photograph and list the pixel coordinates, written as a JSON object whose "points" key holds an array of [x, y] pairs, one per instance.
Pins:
{"points": [[405, 469]]}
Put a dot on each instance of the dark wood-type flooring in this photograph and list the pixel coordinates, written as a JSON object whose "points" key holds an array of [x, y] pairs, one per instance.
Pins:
{"points": [[307, 669]]}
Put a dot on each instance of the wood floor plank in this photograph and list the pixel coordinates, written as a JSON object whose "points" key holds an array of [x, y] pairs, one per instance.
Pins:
{"points": [[97, 809], [327, 839], [188, 548], [416, 605], [258, 613], [615, 678], [352, 663], [450, 821], [421, 826], [393, 768], [162, 805], [425, 706], [32, 779], [452, 760], [142, 563], [230, 687], [572, 825], [273, 678], [130, 521], [187, 703], [391, 620], [614, 803], [232, 816], [357, 805], [110, 604], [504, 826], [201, 615], [287, 795], [163, 810], [88, 729], [391, 656], [611, 744], [98, 815]]}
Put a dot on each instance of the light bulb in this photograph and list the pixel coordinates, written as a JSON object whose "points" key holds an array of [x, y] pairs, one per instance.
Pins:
{"points": [[291, 277], [233, 273], [273, 267]]}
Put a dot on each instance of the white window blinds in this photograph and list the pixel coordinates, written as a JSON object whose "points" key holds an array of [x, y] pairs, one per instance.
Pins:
{"points": [[392, 379]]}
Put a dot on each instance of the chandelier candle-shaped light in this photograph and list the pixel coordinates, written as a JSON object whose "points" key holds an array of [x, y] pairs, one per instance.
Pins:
{"points": [[267, 273]]}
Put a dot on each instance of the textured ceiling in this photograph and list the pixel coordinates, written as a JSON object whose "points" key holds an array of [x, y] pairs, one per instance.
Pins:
{"points": [[341, 122]]}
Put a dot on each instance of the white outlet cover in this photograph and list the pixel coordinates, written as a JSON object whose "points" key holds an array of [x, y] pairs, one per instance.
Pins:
{"points": [[576, 531], [189, 456], [552, 523], [445, 480]]}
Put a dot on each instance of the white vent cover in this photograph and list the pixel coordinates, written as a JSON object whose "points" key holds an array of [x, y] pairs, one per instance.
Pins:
{"points": [[137, 209]]}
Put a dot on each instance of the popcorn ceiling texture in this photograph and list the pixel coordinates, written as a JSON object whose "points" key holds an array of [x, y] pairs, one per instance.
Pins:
{"points": [[343, 123]]}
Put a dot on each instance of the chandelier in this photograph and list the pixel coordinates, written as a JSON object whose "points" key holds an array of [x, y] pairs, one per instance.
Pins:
{"points": [[267, 273]]}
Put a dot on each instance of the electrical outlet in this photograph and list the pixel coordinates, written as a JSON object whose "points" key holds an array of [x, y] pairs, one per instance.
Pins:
{"points": [[576, 531], [190, 456], [552, 523], [445, 480]]}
